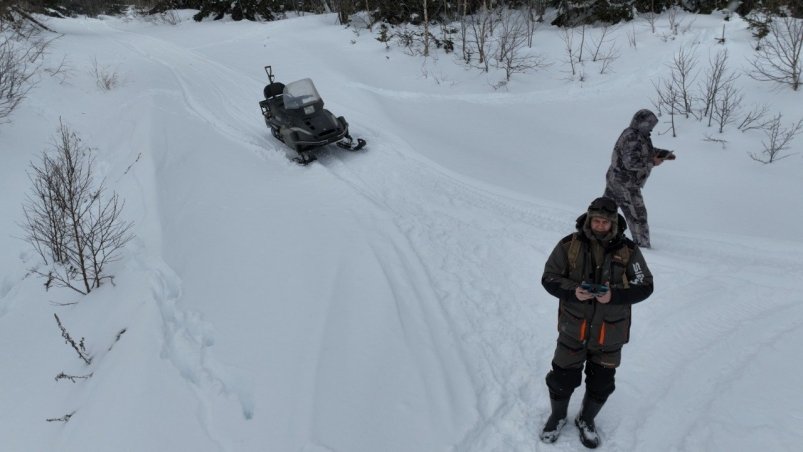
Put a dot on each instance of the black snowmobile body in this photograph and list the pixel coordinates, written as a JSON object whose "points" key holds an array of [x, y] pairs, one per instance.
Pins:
{"points": [[295, 115]]}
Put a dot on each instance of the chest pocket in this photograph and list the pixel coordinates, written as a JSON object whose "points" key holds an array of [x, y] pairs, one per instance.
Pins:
{"points": [[618, 269]]}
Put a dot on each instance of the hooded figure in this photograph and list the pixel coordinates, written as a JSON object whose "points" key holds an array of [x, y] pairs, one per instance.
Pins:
{"points": [[593, 326], [632, 161]]}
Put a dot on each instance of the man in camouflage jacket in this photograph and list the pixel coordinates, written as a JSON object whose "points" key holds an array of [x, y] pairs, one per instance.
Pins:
{"points": [[631, 163], [592, 326]]}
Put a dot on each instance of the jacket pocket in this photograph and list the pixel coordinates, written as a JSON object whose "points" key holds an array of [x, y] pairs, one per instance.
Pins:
{"points": [[572, 325], [614, 334]]}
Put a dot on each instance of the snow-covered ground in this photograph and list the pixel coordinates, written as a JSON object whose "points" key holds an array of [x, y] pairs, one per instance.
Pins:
{"points": [[390, 299]]}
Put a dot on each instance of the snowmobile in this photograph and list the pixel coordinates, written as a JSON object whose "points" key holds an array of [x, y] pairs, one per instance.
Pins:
{"points": [[295, 115]]}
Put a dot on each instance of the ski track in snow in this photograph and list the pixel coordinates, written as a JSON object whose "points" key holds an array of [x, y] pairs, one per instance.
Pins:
{"points": [[445, 249]]}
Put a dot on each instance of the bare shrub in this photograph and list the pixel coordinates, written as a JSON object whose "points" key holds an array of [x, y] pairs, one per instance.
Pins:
{"points": [[631, 38], [21, 55], [65, 418], [62, 71], [166, 17], [79, 347], [778, 56], [106, 79], [754, 119], [69, 221], [72, 378], [777, 140]]}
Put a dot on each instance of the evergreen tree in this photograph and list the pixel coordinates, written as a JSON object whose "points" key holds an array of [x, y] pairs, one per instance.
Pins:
{"points": [[238, 9]]}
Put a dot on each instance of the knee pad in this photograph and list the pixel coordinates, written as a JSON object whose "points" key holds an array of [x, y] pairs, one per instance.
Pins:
{"points": [[600, 382], [562, 382]]}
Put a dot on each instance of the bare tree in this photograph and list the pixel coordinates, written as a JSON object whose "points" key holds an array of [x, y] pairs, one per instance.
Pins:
{"points": [[683, 76], [669, 100], [530, 11], [426, 29], [674, 94], [511, 40], [606, 55], [582, 43], [716, 77], [713, 76], [567, 34], [778, 139], [480, 30], [727, 104], [597, 45], [650, 16], [673, 16], [464, 34], [69, 221], [778, 59]]}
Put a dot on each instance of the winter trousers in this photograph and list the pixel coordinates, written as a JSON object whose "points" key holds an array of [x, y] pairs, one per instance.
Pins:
{"points": [[599, 381], [631, 202]]}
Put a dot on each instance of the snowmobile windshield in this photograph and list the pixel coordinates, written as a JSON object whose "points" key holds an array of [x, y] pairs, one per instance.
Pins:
{"points": [[299, 94]]}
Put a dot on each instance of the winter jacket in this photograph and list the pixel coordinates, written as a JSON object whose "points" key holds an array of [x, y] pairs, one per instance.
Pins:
{"points": [[631, 160], [597, 326]]}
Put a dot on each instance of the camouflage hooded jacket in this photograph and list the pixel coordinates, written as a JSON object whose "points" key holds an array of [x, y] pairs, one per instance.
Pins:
{"points": [[631, 160], [589, 323]]}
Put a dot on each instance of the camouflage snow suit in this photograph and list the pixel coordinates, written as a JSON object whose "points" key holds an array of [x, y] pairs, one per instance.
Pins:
{"points": [[631, 164], [592, 334]]}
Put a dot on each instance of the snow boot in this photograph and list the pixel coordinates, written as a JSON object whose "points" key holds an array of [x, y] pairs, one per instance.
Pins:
{"points": [[556, 421], [585, 422]]}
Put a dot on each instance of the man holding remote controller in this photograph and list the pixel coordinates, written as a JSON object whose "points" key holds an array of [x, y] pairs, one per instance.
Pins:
{"points": [[632, 160], [597, 274]]}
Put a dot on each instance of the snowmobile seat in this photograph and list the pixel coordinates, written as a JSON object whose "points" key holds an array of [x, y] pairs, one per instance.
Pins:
{"points": [[273, 89]]}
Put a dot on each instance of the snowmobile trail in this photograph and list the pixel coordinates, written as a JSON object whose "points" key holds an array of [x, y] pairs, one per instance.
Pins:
{"points": [[211, 98], [462, 238]]}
